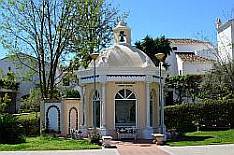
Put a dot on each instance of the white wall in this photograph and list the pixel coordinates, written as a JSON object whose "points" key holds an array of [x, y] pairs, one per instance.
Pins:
{"points": [[180, 68], [202, 49], [196, 67], [172, 62], [25, 86], [225, 42]]}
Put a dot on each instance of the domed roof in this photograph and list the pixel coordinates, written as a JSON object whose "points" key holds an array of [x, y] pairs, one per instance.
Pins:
{"points": [[123, 56], [122, 62]]}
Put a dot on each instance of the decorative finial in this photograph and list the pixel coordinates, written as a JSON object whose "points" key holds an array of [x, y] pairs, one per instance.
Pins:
{"points": [[218, 23], [122, 23]]}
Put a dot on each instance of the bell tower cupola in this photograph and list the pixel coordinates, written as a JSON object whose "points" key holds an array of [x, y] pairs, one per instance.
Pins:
{"points": [[122, 34]]}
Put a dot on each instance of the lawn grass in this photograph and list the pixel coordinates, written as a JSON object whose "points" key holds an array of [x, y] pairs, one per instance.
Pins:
{"points": [[204, 138], [48, 143]]}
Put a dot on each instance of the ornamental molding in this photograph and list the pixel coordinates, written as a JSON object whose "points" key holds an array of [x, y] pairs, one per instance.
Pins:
{"points": [[120, 78], [128, 74]]}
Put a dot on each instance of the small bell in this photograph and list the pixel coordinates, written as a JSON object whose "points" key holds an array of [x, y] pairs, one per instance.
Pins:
{"points": [[122, 36]]}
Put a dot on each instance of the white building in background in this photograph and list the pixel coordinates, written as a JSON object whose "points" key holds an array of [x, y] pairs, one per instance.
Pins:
{"points": [[225, 39], [25, 86], [190, 56]]}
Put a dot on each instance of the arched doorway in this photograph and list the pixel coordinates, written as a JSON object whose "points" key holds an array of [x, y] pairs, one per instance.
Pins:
{"points": [[53, 118], [73, 119], [96, 106], [125, 108]]}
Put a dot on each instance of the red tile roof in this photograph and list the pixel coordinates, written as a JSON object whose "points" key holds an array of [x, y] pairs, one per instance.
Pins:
{"points": [[192, 57], [186, 41]]}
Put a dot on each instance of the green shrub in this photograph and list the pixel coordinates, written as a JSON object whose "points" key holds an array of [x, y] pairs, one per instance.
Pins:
{"points": [[211, 114], [94, 136], [71, 93], [11, 132], [30, 123]]}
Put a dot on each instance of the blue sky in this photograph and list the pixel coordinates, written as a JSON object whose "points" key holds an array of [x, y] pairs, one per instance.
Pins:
{"points": [[176, 18], [173, 18]]}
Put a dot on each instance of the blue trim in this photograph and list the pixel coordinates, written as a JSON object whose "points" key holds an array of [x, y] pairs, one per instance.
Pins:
{"points": [[126, 75], [156, 76], [89, 77]]}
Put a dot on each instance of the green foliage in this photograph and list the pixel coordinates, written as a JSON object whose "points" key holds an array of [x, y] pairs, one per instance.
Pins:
{"points": [[211, 114], [32, 102], [4, 103], [186, 86], [71, 93], [94, 28], [219, 82], [69, 79], [204, 138], [66, 81], [94, 136], [55, 32], [8, 81], [153, 46], [10, 130], [30, 123], [49, 143]]}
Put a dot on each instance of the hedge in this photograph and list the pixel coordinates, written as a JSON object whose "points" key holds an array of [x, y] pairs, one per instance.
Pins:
{"points": [[209, 115], [11, 132], [30, 123]]}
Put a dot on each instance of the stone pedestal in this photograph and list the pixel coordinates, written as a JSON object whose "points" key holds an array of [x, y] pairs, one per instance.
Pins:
{"points": [[159, 138], [103, 131], [147, 133], [84, 131]]}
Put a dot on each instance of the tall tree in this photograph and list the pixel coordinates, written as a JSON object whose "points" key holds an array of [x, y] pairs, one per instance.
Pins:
{"points": [[98, 19], [186, 87], [153, 46], [219, 82], [50, 30]]}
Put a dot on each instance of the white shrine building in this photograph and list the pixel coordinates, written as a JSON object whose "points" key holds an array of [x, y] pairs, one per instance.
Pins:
{"points": [[125, 97]]}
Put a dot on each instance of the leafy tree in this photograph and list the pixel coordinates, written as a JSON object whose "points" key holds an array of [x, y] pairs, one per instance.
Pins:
{"points": [[5, 101], [219, 82], [98, 19], [185, 87], [153, 46], [8, 81], [32, 102], [51, 31]]}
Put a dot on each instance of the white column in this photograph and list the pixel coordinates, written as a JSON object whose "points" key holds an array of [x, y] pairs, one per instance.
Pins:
{"points": [[148, 130], [163, 112], [147, 104], [83, 126], [103, 110], [103, 105], [84, 107]]}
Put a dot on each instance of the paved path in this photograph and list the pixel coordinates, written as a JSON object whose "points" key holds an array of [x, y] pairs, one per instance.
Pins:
{"points": [[201, 150], [126, 148]]}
